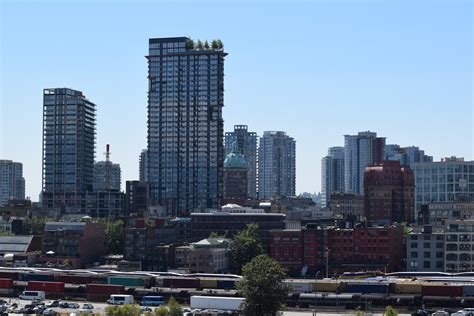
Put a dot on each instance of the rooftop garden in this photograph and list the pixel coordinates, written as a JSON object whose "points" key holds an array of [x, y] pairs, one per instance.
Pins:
{"points": [[216, 44]]}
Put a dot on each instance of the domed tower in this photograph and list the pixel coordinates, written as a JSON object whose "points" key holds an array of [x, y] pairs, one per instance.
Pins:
{"points": [[235, 176]]}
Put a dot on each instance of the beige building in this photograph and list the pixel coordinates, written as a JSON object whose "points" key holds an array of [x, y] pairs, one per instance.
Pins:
{"points": [[209, 255]]}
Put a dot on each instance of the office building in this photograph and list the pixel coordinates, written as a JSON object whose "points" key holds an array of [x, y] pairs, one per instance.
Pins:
{"points": [[246, 143], [458, 251], [235, 177], [389, 192], [425, 249], [143, 166], [107, 176], [185, 124], [276, 165], [347, 206], [447, 180], [360, 151], [12, 183], [68, 149], [332, 174], [440, 212], [137, 197], [406, 155]]}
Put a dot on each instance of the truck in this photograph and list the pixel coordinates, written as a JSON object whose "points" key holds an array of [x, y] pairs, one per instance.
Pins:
{"points": [[219, 303]]}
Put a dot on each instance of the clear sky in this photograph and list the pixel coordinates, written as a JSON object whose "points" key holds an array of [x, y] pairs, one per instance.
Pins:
{"points": [[315, 69]]}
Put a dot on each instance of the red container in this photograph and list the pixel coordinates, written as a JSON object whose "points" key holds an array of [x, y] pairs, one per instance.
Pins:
{"points": [[184, 283], [9, 275], [73, 279], [6, 283], [48, 287], [104, 289], [442, 290]]}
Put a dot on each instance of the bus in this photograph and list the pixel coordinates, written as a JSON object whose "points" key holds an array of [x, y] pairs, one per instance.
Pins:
{"points": [[152, 300]]}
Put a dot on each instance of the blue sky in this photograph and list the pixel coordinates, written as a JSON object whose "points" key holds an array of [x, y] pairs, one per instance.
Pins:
{"points": [[315, 69]]}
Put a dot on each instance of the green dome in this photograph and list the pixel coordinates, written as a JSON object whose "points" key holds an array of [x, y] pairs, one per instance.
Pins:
{"points": [[235, 160]]}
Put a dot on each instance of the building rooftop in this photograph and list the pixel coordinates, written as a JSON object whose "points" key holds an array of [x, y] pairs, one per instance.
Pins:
{"points": [[53, 226], [14, 244]]}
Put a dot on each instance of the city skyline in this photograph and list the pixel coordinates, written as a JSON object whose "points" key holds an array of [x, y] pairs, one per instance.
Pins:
{"points": [[426, 69]]}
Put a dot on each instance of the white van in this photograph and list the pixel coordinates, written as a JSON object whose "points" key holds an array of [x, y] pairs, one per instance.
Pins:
{"points": [[120, 299], [32, 295]]}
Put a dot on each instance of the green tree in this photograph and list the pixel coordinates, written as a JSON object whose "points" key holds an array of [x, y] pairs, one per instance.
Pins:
{"points": [[206, 45], [190, 44], [174, 307], [35, 224], [161, 311], [4, 232], [214, 44], [245, 246], [199, 45], [220, 45], [114, 236], [123, 310], [261, 286], [390, 311]]}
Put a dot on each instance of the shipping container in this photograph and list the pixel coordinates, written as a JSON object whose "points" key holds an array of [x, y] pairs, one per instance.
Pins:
{"points": [[407, 288], [36, 277], [328, 286], [7, 292], [48, 287], [299, 286], [206, 283], [104, 289], [126, 281], [73, 279], [6, 283], [366, 288], [442, 290], [226, 284], [9, 275], [468, 290], [177, 282]]}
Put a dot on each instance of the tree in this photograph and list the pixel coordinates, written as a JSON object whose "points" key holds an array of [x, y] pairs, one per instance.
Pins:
{"points": [[123, 310], [206, 45], [174, 307], [245, 246], [4, 232], [214, 44], [190, 44], [220, 45], [261, 286], [390, 311], [161, 311], [114, 236], [199, 45], [35, 225]]}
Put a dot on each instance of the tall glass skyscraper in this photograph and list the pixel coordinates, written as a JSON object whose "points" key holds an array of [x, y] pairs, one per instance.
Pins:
{"points": [[12, 183], [276, 165], [332, 174], [185, 125], [360, 151], [246, 144], [68, 149]]}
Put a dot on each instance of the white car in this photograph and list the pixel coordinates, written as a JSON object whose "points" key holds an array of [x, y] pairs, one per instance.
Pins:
{"points": [[87, 306]]}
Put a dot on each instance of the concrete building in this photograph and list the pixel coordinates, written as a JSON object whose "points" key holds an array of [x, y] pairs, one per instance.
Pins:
{"points": [[458, 250], [425, 249], [185, 124], [235, 177], [440, 212], [143, 166], [406, 155], [389, 193], [347, 205], [332, 174], [12, 183], [137, 197], [107, 176], [360, 151], [443, 181], [209, 255], [68, 149], [246, 143], [276, 165], [19, 251], [73, 244]]}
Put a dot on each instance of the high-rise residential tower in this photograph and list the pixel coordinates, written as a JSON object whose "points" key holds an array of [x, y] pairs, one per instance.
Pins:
{"points": [[68, 149], [276, 165], [143, 166], [360, 151], [12, 183], [185, 125], [406, 155], [332, 174], [246, 143]]}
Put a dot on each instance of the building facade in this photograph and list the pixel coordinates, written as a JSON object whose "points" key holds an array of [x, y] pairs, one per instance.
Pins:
{"points": [[347, 205], [425, 249], [389, 192], [107, 176], [360, 151], [68, 149], [332, 174], [458, 246], [406, 155], [137, 197], [235, 177], [143, 166], [440, 212], [443, 181], [12, 183], [185, 124], [246, 143], [276, 165]]}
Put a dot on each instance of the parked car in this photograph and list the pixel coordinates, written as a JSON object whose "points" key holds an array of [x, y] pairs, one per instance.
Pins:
{"points": [[87, 306], [73, 305], [63, 305], [54, 303], [50, 312]]}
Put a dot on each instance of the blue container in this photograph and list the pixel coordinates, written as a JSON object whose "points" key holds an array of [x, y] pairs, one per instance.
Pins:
{"points": [[37, 277], [367, 288], [226, 284]]}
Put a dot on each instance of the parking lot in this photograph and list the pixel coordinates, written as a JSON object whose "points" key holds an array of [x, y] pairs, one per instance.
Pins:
{"points": [[97, 307]]}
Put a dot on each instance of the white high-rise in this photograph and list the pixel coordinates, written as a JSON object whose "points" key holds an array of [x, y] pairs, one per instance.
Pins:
{"points": [[12, 183]]}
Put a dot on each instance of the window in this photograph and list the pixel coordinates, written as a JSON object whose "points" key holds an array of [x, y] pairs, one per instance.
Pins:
{"points": [[426, 264]]}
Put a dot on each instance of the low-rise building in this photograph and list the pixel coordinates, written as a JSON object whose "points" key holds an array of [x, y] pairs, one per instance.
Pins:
{"points": [[439, 212], [73, 244], [425, 249], [19, 251], [287, 249], [458, 249], [209, 255], [347, 205]]}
